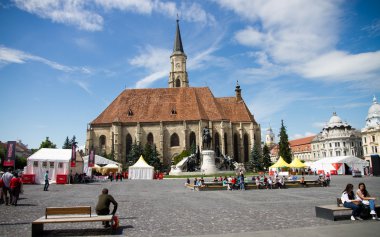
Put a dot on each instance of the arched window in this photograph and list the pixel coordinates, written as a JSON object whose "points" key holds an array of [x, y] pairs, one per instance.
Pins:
{"points": [[225, 144], [178, 82], [236, 147], [150, 138], [102, 142], [246, 148], [217, 144], [174, 140], [193, 139], [128, 144]]}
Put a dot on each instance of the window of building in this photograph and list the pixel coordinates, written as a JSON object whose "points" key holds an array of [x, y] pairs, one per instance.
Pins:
{"points": [[324, 145], [344, 153], [60, 165], [44, 164], [102, 141], [331, 154], [51, 164], [178, 82], [150, 138], [375, 149], [373, 138], [35, 163], [174, 140], [330, 144], [352, 144], [344, 144], [337, 153], [365, 150], [365, 140]]}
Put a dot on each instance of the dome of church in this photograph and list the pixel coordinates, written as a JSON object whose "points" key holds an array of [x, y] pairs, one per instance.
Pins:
{"points": [[374, 110], [335, 121]]}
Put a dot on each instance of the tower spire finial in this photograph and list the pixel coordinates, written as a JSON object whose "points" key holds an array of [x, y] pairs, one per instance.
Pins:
{"points": [[178, 41]]}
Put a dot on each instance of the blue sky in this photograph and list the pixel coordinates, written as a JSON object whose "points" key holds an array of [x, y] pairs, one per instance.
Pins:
{"points": [[63, 62]]}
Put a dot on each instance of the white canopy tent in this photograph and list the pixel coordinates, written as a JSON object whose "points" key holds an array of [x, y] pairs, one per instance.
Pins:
{"points": [[339, 164], [56, 161], [141, 170], [99, 160]]}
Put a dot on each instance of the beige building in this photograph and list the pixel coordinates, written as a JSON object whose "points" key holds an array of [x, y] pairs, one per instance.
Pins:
{"points": [[337, 138], [371, 131], [173, 118]]}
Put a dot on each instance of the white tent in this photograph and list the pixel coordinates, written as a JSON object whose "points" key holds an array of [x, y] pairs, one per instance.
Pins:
{"points": [[56, 161], [99, 160], [140, 170], [339, 164]]}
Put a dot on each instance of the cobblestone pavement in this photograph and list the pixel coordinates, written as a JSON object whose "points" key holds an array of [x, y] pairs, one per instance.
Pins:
{"points": [[167, 208]]}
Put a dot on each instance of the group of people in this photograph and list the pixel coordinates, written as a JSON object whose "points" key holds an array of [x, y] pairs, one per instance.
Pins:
{"points": [[11, 184], [358, 201]]}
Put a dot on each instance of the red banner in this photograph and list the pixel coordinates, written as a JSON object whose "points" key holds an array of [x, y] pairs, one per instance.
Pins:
{"points": [[91, 158], [336, 165], [73, 155], [10, 156]]}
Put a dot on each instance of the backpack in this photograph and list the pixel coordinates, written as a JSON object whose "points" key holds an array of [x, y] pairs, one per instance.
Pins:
{"points": [[365, 214]]}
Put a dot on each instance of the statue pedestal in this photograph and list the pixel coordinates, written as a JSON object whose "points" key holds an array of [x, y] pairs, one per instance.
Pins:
{"points": [[208, 162]]}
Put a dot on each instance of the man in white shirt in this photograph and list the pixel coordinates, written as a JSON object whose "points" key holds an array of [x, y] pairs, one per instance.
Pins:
{"points": [[6, 189]]}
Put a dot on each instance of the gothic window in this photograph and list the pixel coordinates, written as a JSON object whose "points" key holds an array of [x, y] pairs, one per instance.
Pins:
{"points": [[102, 142], [128, 145], [150, 138], [225, 144], [217, 144], [236, 147], [192, 139], [174, 140], [246, 148], [178, 82]]}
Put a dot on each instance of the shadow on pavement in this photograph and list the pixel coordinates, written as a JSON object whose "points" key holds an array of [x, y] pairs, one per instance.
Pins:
{"points": [[86, 232]]}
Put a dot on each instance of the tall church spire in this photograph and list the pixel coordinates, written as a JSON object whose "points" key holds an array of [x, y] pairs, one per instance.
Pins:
{"points": [[178, 74], [178, 41]]}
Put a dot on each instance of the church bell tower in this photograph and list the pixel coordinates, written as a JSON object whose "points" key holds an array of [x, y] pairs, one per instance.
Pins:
{"points": [[178, 74]]}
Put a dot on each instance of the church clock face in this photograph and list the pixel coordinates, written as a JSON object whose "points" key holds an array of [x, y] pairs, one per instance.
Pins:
{"points": [[177, 65]]}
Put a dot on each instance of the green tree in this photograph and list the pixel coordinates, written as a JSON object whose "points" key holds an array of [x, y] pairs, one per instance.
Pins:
{"points": [[134, 154], [256, 159], [20, 162], [284, 148], [72, 141], [2, 155], [66, 144], [266, 157], [47, 144], [152, 156]]}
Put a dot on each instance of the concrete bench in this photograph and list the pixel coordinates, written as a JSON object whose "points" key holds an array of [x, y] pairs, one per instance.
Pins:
{"points": [[335, 212], [55, 215]]}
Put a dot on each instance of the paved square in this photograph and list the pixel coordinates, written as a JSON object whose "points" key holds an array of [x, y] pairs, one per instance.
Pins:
{"points": [[167, 208]]}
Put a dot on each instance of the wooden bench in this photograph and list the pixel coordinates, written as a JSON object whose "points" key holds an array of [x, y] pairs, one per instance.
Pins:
{"points": [[56, 215], [334, 212]]}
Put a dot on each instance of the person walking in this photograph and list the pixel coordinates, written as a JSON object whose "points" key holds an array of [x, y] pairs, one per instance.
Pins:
{"points": [[46, 177], [103, 205], [6, 186], [15, 186]]}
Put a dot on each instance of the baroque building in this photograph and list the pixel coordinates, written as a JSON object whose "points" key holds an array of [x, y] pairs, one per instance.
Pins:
{"points": [[301, 149], [337, 138], [371, 131], [173, 118]]}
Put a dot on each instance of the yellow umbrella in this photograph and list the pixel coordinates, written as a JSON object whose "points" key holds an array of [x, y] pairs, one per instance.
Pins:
{"points": [[280, 164]]}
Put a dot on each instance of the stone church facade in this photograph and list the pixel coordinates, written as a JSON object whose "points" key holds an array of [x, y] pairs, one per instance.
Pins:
{"points": [[173, 118]]}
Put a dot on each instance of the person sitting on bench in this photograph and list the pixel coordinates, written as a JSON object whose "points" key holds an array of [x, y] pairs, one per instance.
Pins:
{"points": [[302, 182], [363, 194], [103, 206], [349, 200]]}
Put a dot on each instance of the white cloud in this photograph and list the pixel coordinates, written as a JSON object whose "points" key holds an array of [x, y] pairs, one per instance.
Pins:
{"points": [[83, 85], [70, 12], [86, 14], [303, 41], [338, 65], [152, 58], [298, 136]]}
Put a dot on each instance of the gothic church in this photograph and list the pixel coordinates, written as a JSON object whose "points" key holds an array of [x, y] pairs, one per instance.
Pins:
{"points": [[173, 118]]}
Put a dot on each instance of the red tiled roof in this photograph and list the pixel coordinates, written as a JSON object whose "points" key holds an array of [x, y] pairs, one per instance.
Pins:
{"points": [[190, 103], [301, 141]]}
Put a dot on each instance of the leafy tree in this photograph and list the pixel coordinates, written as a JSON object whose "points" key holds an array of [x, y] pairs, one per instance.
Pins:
{"points": [[152, 156], [72, 141], [20, 162], [67, 144], [134, 154], [2, 155], [266, 157], [256, 159], [47, 144], [284, 148]]}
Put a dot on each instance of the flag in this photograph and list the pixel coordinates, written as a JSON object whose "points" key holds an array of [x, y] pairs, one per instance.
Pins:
{"points": [[91, 158], [10, 157], [73, 155]]}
